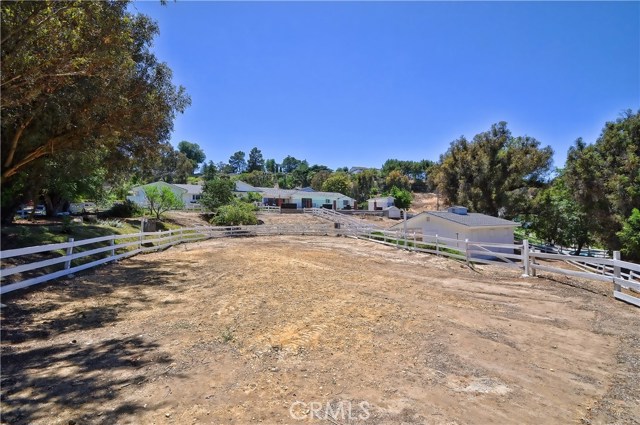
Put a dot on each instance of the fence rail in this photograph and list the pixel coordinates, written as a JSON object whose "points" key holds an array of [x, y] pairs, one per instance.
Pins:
{"points": [[59, 259]]}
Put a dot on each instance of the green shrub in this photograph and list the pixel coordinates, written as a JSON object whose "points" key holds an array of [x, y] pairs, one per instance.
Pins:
{"points": [[125, 209], [111, 223], [236, 213]]}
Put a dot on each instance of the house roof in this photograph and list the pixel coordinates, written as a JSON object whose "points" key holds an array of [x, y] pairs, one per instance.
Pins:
{"points": [[325, 195], [385, 198], [187, 188], [241, 186], [270, 192], [192, 189], [469, 219]]}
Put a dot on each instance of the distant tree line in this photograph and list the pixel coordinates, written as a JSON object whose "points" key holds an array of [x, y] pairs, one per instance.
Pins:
{"points": [[590, 200]]}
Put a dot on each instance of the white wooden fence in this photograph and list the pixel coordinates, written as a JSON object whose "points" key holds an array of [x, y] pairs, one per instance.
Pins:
{"points": [[58, 260]]}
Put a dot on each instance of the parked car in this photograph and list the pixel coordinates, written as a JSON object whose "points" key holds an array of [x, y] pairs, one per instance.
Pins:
{"points": [[41, 210], [583, 253], [24, 212], [546, 249], [83, 207]]}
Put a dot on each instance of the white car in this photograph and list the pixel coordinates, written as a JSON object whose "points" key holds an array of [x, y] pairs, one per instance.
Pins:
{"points": [[83, 207]]}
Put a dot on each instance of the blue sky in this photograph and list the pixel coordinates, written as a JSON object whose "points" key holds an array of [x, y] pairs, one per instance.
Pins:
{"points": [[356, 83]]}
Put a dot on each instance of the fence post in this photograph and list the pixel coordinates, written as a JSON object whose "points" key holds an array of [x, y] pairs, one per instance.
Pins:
{"points": [[414, 241], [142, 220], [466, 250], [616, 270], [181, 235], [437, 246], [112, 242], [67, 263], [525, 257]]}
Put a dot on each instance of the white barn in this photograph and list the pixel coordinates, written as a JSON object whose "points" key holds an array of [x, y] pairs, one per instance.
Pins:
{"points": [[458, 223]]}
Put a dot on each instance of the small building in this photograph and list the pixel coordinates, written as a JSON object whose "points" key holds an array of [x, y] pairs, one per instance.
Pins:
{"points": [[392, 212], [189, 193], [457, 223], [380, 203]]}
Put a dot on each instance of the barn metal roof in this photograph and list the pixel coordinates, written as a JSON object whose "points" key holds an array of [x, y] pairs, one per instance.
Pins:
{"points": [[469, 219], [473, 219]]}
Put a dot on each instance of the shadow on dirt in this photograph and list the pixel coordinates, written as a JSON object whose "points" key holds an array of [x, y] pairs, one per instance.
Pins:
{"points": [[81, 375]]}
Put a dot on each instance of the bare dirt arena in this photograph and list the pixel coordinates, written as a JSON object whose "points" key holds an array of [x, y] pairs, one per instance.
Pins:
{"points": [[285, 330]]}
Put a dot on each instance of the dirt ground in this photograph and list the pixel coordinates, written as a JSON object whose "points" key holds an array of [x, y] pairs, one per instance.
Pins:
{"points": [[277, 330], [426, 202]]}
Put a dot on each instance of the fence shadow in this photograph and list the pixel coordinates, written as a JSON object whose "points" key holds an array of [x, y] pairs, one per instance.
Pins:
{"points": [[26, 320], [83, 378]]}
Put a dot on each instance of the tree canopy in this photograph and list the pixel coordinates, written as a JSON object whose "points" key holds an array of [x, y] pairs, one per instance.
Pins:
{"points": [[161, 200], [337, 182], [604, 178], [256, 161], [193, 152], [493, 173], [217, 192], [237, 163], [80, 76]]}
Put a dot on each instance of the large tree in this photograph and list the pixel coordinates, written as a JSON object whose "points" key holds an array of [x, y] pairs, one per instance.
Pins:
{"points": [[290, 163], [79, 76], [169, 165], [558, 219], [363, 184], [237, 163], [604, 178], [494, 173], [193, 151], [256, 161], [271, 166], [337, 182]]}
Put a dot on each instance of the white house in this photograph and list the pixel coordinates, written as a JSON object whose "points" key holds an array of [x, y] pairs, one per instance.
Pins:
{"points": [[289, 198], [189, 193], [458, 223], [298, 198], [380, 203]]}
